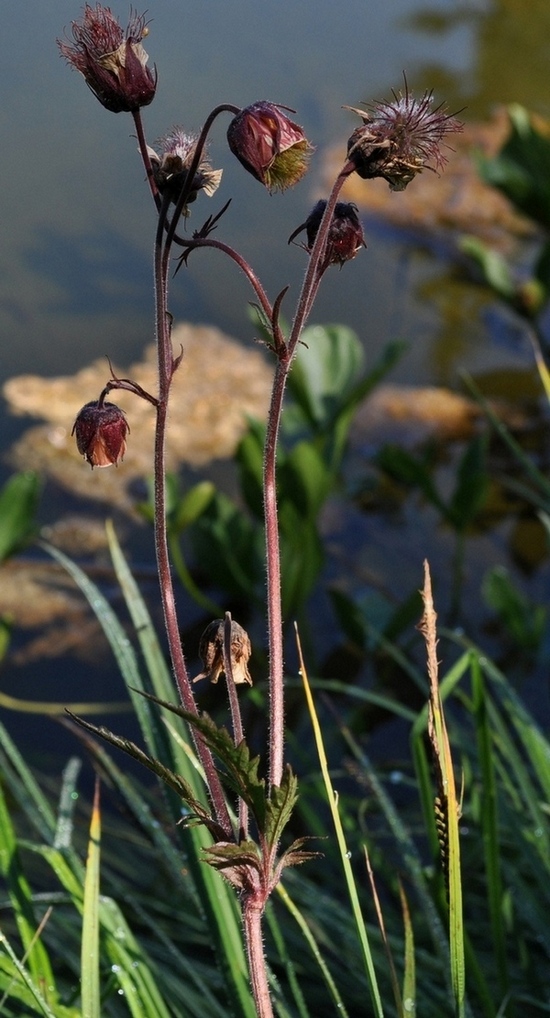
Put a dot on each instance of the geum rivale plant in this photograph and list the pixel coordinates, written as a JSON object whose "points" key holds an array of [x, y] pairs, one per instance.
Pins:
{"points": [[396, 140]]}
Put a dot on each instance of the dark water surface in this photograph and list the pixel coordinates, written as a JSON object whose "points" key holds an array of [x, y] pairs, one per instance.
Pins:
{"points": [[77, 225]]}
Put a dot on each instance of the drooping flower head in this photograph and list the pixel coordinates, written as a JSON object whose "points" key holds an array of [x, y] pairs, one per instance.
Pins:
{"points": [[269, 145], [211, 651], [100, 430], [113, 61], [345, 234], [400, 138], [171, 164]]}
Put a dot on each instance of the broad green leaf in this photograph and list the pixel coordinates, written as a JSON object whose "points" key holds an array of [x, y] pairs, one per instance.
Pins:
{"points": [[496, 271], [229, 548], [522, 168], [250, 458], [411, 471], [327, 364], [18, 504], [304, 480], [190, 506]]}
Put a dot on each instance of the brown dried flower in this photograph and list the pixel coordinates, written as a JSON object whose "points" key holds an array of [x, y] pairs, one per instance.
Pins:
{"points": [[211, 653]]}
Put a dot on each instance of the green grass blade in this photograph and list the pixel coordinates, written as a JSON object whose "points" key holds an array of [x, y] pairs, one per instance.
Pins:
{"points": [[489, 825], [24, 787], [409, 974], [315, 950], [348, 872], [89, 964], [20, 896], [17, 984], [67, 802]]}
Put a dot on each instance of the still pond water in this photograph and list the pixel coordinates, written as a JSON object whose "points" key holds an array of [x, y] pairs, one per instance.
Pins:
{"points": [[77, 227]]}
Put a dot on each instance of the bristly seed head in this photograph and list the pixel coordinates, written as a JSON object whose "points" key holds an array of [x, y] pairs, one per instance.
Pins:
{"points": [[400, 138], [113, 61]]}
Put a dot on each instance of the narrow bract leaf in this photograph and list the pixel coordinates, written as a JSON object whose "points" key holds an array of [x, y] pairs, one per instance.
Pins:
{"points": [[174, 781]]}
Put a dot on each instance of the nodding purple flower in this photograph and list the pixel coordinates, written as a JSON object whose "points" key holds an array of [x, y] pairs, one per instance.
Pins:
{"points": [[113, 61], [100, 430], [345, 235], [269, 145], [400, 138], [171, 164]]}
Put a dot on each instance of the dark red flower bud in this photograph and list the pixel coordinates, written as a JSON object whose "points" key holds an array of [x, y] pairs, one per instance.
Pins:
{"points": [[112, 61], [100, 430], [271, 147], [399, 139], [345, 236]]}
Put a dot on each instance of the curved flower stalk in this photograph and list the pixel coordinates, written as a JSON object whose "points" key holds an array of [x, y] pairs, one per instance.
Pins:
{"points": [[396, 141]]}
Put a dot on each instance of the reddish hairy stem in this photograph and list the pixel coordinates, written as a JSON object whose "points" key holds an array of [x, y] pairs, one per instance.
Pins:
{"points": [[243, 265], [273, 571], [312, 276], [166, 371], [273, 564], [252, 923], [145, 157]]}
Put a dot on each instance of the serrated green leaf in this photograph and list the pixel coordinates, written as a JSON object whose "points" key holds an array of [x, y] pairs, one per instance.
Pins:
{"points": [[240, 772], [172, 780], [279, 808]]}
